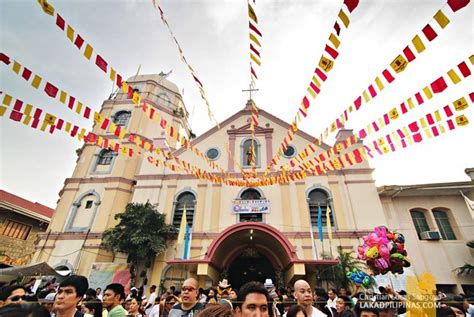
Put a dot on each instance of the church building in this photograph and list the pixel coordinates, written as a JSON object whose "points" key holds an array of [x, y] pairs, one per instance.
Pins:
{"points": [[237, 233]]}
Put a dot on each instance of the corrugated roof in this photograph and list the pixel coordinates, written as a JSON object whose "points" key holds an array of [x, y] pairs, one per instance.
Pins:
{"points": [[34, 207]]}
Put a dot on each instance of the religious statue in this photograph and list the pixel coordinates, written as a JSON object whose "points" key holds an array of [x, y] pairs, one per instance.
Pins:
{"points": [[250, 155]]}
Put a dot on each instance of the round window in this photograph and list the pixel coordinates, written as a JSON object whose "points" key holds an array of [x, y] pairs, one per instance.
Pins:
{"points": [[290, 151], [212, 153]]}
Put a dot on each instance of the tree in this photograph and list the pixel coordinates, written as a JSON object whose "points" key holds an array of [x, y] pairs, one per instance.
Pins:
{"points": [[141, 233], [336, 274], [467, 268]]}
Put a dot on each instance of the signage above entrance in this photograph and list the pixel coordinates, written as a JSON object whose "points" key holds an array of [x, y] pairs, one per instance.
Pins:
{"points": [[247, 206]]}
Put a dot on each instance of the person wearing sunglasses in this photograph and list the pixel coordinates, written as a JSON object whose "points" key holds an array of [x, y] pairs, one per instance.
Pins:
{"points": [[189, 305], [12, 294]]}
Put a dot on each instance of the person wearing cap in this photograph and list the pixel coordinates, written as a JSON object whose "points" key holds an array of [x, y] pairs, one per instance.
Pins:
{"points": [[223, 289], [189, 305], [304, 297], [273, 295]]}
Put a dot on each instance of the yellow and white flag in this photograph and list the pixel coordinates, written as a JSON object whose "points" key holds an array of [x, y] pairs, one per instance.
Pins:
{"points": [[182, 227]]}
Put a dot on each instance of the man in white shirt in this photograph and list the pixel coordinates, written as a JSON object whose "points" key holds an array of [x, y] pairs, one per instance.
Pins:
{"points": [[151, 299], [304, 297], [332, 297]]}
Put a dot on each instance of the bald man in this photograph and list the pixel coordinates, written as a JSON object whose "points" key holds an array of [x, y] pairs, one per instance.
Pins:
{"points": [[189, 305], [304, 298]]}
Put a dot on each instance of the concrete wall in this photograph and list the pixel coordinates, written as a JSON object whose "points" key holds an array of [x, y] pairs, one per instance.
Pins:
{"points": [[438, 257]]}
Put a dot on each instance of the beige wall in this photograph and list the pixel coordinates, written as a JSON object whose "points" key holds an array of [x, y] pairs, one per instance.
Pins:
{"points": [[438, 257]]}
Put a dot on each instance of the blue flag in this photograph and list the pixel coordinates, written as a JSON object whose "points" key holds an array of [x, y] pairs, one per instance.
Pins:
{"points": [[187, 241], [320, 223]]}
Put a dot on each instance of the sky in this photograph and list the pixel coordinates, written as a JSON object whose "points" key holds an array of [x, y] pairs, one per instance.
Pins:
{"points": [[214, 38]]}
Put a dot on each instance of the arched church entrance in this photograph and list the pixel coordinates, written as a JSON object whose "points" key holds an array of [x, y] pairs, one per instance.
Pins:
{"points": [[250, 265], [251, 251]]}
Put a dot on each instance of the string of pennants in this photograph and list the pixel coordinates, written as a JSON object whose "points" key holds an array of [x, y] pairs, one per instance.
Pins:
{"points": [[105, 124], [35, 117], [408, 135], [341, 155], [398, 65], [255, 36], [455, 75], [88, 52], [430, 124], [183, 58], [117, 78], [321, 71], [415, 47]]}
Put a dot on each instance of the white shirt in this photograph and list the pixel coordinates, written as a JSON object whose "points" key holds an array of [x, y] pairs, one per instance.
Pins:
{"points": [[332, 302], [155, 311], [314, 313], [151, 301], [317, 313]]}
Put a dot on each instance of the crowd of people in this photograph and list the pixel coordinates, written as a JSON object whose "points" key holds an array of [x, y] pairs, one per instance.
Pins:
{"points": [[73, 298]]}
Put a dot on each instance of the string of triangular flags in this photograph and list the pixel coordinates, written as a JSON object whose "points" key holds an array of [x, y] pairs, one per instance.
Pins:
{"points": [[113, 75], [191, 70], [455, 5], [455, 75], [324, 66], [105, 124], [255, 36], [408, 135], [35, 117], [88, 52], [418, 44], [432, 125]]}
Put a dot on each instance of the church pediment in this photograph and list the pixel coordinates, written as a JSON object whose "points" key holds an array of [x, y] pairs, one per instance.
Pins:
{"points": [[233, 126], [245, 130]]}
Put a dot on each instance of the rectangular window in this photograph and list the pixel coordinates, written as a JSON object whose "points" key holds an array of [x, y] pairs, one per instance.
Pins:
{"points": [[419, 220], [178, 214], [313, 212], [16, 230], [89, 204], [444, 226]]}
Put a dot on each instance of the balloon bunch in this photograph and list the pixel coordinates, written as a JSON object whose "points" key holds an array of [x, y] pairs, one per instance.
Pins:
{"points": [[359, 277], [384, 251]]}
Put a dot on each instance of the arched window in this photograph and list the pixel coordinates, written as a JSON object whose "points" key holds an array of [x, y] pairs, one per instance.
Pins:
{"points": [[185, 200], [419, 220], [319, 199], [121, 118], [444, 226], [83, 212], [251, 194], [250, 153]]}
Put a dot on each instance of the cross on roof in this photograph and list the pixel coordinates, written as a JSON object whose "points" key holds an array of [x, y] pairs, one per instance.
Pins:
{"points": [[250, 91]]}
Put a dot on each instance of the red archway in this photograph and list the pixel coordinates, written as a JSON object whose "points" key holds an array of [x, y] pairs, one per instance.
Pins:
{"points": [[265, 238]]}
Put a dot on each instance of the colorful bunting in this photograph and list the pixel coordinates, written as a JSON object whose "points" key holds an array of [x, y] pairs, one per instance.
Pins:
{"points": [[325, 65], [191, 70]]}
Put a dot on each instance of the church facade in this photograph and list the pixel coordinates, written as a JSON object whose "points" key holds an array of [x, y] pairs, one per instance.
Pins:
{"points": [[235, 232]]}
